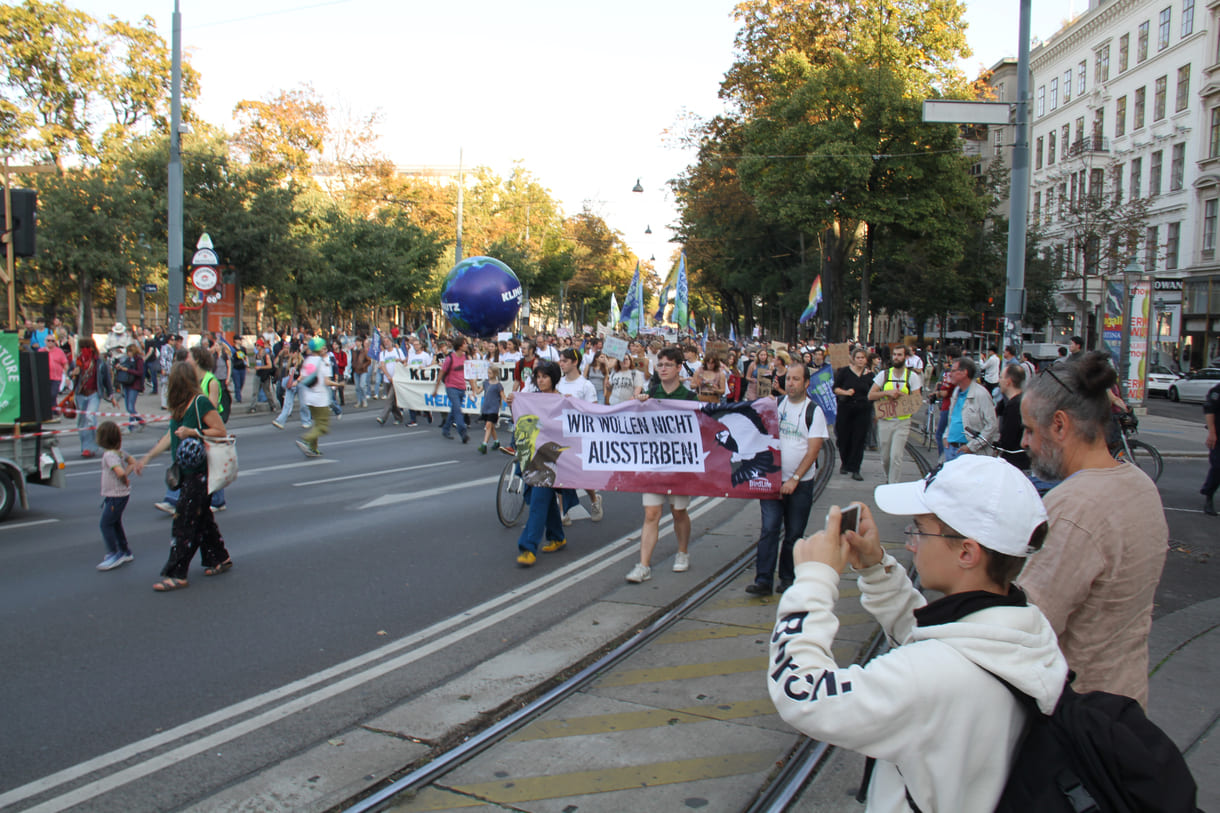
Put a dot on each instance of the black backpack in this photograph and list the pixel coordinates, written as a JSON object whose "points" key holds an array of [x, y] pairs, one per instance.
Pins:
{"points": [[1097, 752]]}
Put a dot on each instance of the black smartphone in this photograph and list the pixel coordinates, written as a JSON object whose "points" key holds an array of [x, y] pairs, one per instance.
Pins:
{"points": [[849, 518]]}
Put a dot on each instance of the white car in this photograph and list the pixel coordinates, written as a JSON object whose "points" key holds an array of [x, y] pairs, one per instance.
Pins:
{"points": [[1159, 379], [1195, 386]]}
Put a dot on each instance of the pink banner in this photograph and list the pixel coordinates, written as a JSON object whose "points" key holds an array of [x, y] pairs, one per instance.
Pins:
{"points": [[655, 446]]}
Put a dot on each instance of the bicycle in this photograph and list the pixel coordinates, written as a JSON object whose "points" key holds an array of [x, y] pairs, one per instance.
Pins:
{"points": [[1144, 455], [510, 492]]}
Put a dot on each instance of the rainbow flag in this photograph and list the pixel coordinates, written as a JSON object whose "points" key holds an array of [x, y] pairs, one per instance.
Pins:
{"points": [[815, 299]]}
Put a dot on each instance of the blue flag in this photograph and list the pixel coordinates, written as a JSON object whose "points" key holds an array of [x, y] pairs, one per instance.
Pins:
{"points": [[682, 303]]}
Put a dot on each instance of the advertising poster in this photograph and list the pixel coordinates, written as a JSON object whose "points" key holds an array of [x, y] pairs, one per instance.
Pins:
{"points": [[1112, 321], [1141, 312], [654, 446]]}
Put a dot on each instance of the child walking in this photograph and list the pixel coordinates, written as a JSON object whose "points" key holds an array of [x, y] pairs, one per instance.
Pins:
{"points": [[489, 411], [116, 490]]}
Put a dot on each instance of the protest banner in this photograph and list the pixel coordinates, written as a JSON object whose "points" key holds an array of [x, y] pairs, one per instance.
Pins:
{"points": [[653, 446], [907, 404], [10, 378], [413, 387], [614, 347]]}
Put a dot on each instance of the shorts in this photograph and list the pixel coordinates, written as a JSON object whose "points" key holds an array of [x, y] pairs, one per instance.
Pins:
{"points": [[489, 418], [677, 502]]}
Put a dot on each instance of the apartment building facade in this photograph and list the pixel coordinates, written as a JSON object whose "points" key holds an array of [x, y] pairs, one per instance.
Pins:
{"points": [[1126, 107]]}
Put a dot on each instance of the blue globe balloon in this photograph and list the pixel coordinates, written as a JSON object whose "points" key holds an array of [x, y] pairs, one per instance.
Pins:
{"points": [[481, 296]]}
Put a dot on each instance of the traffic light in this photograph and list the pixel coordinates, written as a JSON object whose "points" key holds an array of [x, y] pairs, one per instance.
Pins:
{"points": [[25, 201]]}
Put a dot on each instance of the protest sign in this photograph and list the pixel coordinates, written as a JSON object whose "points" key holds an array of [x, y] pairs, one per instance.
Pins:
{"points": [[413, 387], [907, 404], [839, 355], [614, 347], [654, 446], [475, 370], [504, 335], [10, 378]]}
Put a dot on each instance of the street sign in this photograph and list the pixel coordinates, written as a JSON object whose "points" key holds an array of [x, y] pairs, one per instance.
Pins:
{"points": [[150, 287], [205, 278], [205, 256], [941, 110]]}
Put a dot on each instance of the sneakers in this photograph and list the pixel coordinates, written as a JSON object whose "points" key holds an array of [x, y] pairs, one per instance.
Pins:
{"points": [[554, 545], [110, 562], [465, 438], [277, 424], [307, 450], [381, 421], [412, 423], [495, 444], [526, 558], [164, 506], [566, 519], [639, 573], [126, 556], [681, 562], [595, 510], [218, 508], [482, 448], [758, 589]]}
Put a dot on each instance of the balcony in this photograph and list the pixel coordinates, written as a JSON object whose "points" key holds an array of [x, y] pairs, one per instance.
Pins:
{"points": [[1088, 146]]}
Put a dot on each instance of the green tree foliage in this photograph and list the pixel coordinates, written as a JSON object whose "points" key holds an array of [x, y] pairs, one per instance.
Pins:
{"points": [[285, 132]]}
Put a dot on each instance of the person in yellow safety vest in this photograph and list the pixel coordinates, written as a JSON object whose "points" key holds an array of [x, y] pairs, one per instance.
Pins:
{"points": [[894, 381]]}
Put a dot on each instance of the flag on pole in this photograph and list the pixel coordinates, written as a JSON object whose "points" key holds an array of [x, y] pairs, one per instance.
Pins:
{"points": [[659, 316], [633, 305], [630, 300], [682, 303], [815, 299], [732, 333], [614, 312], [640, 316]]}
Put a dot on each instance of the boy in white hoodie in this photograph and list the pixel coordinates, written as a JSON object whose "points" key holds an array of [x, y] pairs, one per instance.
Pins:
{"points": [[931, 711]]}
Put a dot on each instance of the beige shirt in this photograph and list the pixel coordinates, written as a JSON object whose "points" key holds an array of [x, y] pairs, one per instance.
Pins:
{"points": [[1097, 574]]}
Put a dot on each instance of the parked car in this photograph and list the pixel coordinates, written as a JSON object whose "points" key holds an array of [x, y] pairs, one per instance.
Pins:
{"points": [[1195, 386], [1159, 379]]}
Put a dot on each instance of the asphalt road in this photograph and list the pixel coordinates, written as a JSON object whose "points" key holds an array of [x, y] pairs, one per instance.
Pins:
{"points": [[393, 530]]}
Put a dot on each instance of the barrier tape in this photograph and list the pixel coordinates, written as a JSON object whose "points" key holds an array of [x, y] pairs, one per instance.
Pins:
{"points": [[75, 429], [146, 416]]}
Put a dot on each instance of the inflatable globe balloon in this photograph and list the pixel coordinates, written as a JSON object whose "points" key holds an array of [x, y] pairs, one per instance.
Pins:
{"points": [[481, 296]]}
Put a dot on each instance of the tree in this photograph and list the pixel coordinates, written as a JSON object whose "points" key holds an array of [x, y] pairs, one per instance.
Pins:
{"points": [[286, 131]]}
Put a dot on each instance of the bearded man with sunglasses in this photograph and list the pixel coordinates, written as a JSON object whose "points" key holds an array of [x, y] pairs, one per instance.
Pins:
{"points": [[1097, 574]]}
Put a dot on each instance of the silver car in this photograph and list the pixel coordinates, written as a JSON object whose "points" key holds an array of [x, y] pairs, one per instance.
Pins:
{"points": [[1194, 387], [1159, 379]]}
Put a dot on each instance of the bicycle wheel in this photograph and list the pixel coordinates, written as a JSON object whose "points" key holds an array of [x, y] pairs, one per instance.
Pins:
{"points": [[510, 495], [1147, 458], [826, 466]]}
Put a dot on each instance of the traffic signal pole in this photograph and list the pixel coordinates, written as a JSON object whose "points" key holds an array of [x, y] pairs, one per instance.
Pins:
{"points": [[175, 280], [1018, 196]]}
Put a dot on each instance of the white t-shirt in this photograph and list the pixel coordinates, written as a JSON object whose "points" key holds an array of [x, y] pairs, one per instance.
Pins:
{"points": [[794, 436], [420, 359], [623, 384], [991, 369], [390, 359], [550, 354], [914, 362], [580, 387], [510, 358], [316, 394]]}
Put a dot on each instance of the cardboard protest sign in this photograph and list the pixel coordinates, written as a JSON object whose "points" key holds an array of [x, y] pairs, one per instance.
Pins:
{"points": [[907, 404], [654, 446], [614, 347], [839, 355]]}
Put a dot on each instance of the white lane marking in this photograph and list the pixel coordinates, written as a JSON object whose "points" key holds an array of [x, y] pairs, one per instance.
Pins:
{"points": [[97, 474], [393, 499], [12, 526], [371, 437], [374, 473], [314, 462], [523, 597], [1184, 510]]}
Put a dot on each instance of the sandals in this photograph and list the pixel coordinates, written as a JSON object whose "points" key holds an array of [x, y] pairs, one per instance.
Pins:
{"points": [[167, 584], [220, 568]]}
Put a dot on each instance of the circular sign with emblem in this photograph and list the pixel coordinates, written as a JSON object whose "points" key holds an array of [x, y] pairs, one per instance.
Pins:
{"points": [[205, 278]]}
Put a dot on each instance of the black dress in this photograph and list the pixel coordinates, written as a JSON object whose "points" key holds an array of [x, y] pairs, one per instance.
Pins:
{"points": [[855, 416]]}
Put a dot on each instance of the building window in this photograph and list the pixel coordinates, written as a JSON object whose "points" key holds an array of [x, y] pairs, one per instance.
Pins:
{"points": [[1101, 65], [1210, 208], [1042, 100], [1137, 171], [1065, 138], [1154, 173], [999, 141], [1116, 179], [1213, 144], [1158, 98], [1172, 239], [1120, 117], [1038, 153], [1183, 92], [1080, 73], [1162, 30], [1150, 247], [1036, 214], [1141, 43], [1188, 18], [1063, 198], [1080, 129], [1139, 109], [1067, 86], [1072, 199], [1054, 93], [1124, 51], [1050, 149], [1049, 212], [1177, 167], [1099, 127], [1097, 184]]}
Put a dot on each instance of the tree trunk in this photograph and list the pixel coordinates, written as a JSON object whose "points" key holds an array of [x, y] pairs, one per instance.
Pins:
{"points": [[84, 314]]}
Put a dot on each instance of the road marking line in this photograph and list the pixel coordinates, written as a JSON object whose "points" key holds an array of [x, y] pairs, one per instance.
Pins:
{"points": [[9, 526], [394, 499], [95, 474], [454, 630], [314, 462], [1185, 510], [374, 473], [365, 440]]}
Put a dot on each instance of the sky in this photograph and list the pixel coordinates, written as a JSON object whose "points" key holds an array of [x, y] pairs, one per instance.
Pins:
{"points": [[582, 94]]}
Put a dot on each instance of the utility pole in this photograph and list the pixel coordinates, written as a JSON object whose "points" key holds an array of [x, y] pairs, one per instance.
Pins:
{"points": [[1018, 195], [175, 281], [457, 250]]}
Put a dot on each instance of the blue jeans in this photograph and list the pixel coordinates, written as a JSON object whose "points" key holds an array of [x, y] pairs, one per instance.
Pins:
{"points": [[455, 417], [362, 386], [129, 398], [543, 517], [88, 422], [953, 452], [239, 381], [112, 524], [793, 512], [942, 424], [306, 415], [290, 395]]}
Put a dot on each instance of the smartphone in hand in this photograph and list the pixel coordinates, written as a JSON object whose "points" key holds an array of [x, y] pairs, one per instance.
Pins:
{"points": [[849, 518]]}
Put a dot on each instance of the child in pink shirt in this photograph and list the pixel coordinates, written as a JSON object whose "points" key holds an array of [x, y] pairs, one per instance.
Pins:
{"points": [[115, 492]]}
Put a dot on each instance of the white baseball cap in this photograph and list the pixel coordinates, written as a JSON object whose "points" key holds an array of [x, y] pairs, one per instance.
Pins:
{"points": [[984, 498]]}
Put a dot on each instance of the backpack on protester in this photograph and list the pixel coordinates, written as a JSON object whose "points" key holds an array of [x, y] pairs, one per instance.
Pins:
{"points": [[809, 402]]}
